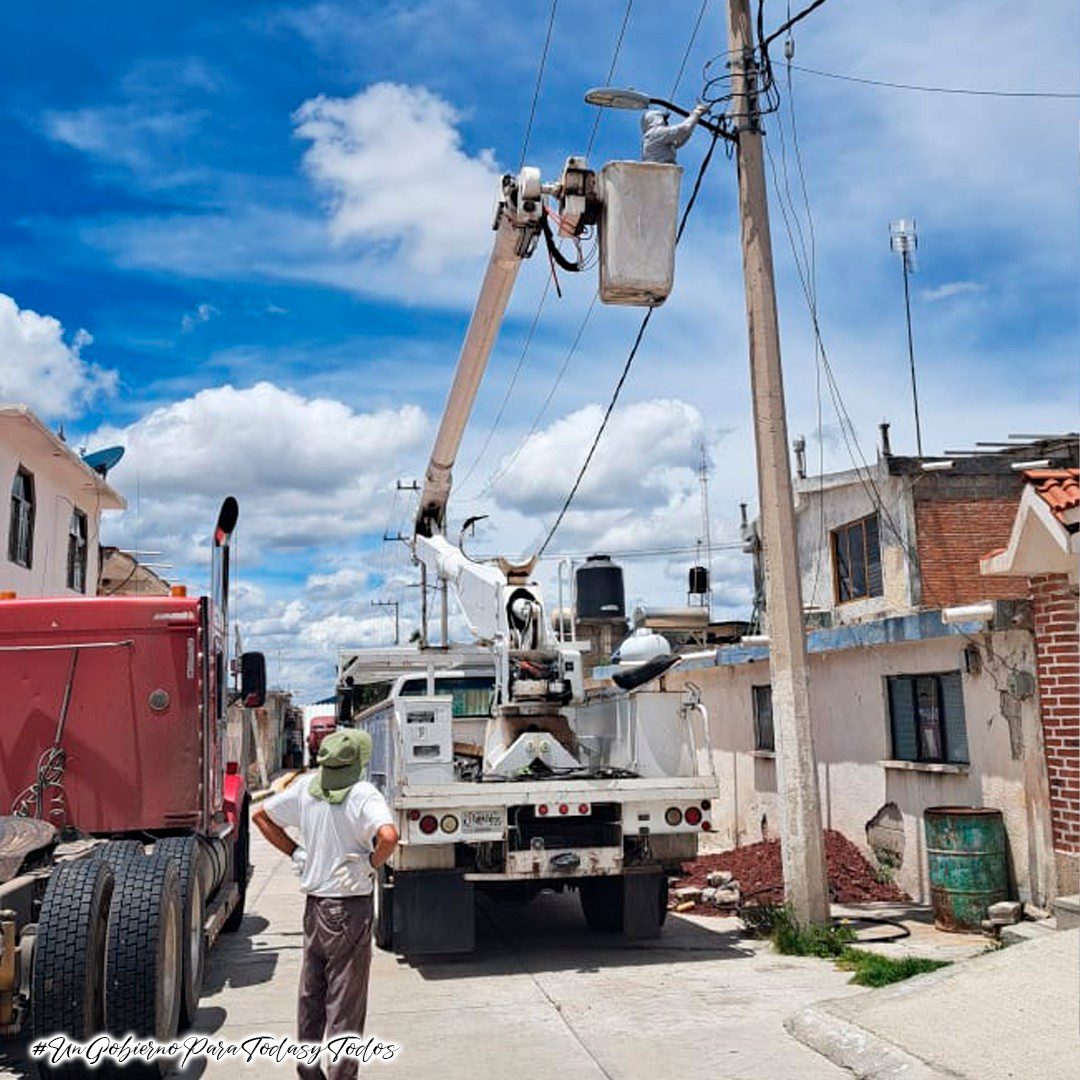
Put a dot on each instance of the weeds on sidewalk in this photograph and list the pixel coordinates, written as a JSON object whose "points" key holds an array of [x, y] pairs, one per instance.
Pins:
{"points": [[831, 942]]}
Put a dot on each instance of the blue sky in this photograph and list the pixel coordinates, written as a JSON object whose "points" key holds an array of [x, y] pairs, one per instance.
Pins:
{"points": [[244, 241]]}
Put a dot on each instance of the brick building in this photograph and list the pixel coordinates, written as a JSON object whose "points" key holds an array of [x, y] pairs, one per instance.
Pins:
{"points": [[1042, 550]]}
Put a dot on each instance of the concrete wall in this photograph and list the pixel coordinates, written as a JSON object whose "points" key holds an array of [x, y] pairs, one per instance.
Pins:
{"points": [[851, 735], [824, 504], [58, 488]]}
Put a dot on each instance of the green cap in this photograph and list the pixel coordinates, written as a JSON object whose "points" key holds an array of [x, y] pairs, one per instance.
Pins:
{"points": [[343, 756]]}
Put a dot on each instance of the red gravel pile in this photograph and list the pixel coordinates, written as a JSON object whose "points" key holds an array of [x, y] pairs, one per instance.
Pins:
{"points": [[757, 869]]}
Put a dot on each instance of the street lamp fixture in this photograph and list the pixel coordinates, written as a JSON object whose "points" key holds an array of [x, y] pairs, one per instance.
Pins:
{"points": [[615, 97]]}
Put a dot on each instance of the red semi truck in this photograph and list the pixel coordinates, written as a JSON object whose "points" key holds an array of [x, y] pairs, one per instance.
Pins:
{"points": [[123, 828]]}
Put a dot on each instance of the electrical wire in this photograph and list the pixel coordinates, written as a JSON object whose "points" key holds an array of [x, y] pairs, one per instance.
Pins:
{"points": [[630, 358], [689, 46], [765, 42], [611, 71], [963, 90], [539, 82]]}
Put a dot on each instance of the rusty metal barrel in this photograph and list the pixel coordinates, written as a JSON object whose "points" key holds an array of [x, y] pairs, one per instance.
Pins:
{"points": [[966, 851]]}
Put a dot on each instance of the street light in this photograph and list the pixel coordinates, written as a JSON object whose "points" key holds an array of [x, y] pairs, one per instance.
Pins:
{"points": [[615, 97], [904, 241]]}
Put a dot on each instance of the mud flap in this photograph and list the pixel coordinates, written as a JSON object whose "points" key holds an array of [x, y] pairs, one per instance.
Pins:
{"points": [[434, 912], [642, 904]]}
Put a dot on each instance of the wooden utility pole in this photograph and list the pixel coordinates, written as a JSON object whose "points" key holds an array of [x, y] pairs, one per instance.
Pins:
{"points": [[802, 842]]}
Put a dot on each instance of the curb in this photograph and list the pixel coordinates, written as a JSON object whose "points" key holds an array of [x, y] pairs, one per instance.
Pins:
{"points": [[852, 1047]]}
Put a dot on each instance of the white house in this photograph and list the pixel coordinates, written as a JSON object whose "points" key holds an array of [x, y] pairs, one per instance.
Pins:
{"points": [[49, 529]]}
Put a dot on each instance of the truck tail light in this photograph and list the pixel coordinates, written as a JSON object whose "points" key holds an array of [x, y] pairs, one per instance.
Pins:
{"points": [[563, 808], [428, 824], [542, 810], [414, 815], [448, 823], [692, 815], [673, 816], [583, 808]]}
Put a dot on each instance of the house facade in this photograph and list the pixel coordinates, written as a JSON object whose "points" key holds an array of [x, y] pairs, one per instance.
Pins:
{"points": [[927, 676], [50, 524]]}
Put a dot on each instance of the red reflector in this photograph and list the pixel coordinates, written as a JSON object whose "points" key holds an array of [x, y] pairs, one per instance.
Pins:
{"points": [[414, 815], [706, 827], [583, 808], [692, 816], [428, 824], [542, 811], [563, 808]]}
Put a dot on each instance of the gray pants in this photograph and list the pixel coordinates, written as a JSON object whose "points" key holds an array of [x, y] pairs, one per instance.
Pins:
{"points": [[334, 977]]}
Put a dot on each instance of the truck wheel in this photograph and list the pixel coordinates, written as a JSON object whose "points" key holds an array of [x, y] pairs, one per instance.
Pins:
{"points": [[69, 957], [241, 854], [144, 953], [602, 903], [188, 853], [384, 911], [119, 853]]}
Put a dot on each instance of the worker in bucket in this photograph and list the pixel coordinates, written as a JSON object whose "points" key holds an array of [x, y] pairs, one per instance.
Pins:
{"points": [[660, 140], [346, 833]]}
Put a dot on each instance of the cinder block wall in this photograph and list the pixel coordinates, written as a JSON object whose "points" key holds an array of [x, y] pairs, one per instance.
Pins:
{"points": [[1056, 615], [953, 535]]}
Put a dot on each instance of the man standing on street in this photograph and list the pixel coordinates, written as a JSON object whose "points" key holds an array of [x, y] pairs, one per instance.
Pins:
{"points": [[346, 833]]}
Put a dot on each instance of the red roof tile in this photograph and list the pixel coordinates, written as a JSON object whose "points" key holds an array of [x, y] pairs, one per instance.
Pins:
{"points": [[1058, 488]]}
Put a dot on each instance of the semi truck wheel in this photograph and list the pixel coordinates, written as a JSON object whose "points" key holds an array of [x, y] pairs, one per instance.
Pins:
{"points": [[119, 853], [143, 955], [241, 854], [384, 910], [69, 957], [188, 853], [602, 903]]}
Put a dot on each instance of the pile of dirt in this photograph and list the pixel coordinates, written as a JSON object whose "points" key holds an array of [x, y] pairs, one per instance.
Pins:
{"points": [[757, 869]]}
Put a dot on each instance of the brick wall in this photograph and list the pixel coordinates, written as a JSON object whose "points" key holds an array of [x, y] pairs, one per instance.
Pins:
{"points": [[952, 536], [1057, 650]]}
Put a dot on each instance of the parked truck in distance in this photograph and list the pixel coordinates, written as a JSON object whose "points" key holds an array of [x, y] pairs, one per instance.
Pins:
{"points": [[124, 829], [611, 830]]}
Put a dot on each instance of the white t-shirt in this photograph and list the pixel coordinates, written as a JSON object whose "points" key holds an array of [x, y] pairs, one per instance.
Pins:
{"points": [[338, 838]]}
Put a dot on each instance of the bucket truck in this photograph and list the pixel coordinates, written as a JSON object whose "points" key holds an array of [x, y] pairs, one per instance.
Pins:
{"points": [[506, 775]]}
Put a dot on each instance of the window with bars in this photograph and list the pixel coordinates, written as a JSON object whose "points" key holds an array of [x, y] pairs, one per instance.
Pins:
{"points": [[76, 555], [926, 718], [21, 527], [856, 552], [764, 738]]}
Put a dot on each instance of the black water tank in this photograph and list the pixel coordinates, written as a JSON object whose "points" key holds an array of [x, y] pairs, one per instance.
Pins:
{"points": [[600, 592], [699, 581]]}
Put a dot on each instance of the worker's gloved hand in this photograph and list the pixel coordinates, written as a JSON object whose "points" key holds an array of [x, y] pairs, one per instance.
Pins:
{"points": [[299, 857], [699, 110]]}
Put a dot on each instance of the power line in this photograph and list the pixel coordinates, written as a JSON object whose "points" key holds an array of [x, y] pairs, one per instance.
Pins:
{"points": [[539, 81], [630, 358], [689, 46], [965, 90], [791, 21], [611, 71]]}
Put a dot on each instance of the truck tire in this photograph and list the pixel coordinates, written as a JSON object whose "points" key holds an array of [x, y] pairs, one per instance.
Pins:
{"points": [[602, 903], [143, 955], [188, 853], [119, 853], [241, 854], [69, 957], [384, 911]]}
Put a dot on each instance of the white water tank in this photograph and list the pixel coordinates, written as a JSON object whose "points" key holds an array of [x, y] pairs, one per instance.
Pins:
{"points": [[640, 646]]}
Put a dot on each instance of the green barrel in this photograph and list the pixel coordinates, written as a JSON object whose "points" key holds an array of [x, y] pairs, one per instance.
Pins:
{"points": [[966, 850]]}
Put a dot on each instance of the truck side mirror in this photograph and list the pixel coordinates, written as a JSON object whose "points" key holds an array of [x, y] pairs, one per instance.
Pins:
{"points": [[252, 680]]}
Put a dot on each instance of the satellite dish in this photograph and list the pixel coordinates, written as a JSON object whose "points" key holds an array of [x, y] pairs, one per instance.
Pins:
{"points": [[101, 461]]}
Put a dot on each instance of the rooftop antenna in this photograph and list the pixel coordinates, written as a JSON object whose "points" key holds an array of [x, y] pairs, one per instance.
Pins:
{"points": [[904, 241]]}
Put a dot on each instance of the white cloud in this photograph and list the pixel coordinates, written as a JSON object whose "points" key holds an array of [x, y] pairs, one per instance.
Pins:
{"points": [[950, 289], [348, 582], [391, 161], [203, 313], [40, 369], [306, 470]]}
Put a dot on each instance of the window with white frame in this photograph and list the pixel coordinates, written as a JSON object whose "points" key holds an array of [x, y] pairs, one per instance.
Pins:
{"points": [[21, 526], [926, 718], [856, 554], [764, 738], [76, 555]]}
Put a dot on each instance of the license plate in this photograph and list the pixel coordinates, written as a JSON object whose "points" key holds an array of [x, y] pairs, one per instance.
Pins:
{"points": [[475, 821]]}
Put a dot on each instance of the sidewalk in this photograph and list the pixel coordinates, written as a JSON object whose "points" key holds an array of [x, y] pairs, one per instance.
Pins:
{"points": [[1007, 1015]]}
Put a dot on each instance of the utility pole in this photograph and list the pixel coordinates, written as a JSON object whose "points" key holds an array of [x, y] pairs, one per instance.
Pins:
{"points": [[904, 240], [396, 605], [802, 842]]}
